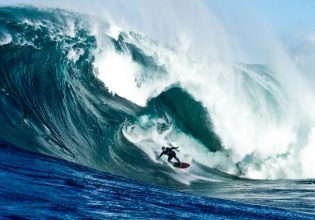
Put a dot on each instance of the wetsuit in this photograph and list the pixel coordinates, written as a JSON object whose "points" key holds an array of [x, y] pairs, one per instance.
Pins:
{"points": [[170, 153]]}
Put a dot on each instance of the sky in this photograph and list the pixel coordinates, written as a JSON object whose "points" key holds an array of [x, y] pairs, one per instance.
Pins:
{"points": [[291, 22], [288, 15], [282, 15]]}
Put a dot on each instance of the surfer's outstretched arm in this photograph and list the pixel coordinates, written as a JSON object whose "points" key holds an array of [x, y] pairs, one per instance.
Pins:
{"points": [[172, 146], [158, 157]]}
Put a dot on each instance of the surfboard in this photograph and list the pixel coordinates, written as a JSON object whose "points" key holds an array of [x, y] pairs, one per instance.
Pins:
{"points": [[181, 165]]}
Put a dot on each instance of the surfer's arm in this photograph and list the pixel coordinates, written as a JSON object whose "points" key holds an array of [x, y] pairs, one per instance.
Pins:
{"points": [[173, 147], [158, 157]]}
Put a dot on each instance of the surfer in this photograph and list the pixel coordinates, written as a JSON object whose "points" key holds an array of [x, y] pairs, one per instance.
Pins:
{"points": [[169, 152]]}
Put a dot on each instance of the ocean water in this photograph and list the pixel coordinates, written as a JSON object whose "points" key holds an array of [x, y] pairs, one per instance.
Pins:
{"points": [[41, 187], [102, 99]]}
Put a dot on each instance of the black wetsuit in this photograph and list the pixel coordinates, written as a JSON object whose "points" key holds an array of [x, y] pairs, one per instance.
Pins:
{"points": [[170, 153]]}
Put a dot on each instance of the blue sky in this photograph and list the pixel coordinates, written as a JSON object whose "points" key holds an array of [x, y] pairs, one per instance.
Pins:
{"points": [[282, 15], [288, 14], [292, 22]]}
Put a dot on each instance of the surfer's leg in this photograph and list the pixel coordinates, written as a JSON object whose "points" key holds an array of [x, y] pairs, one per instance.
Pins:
{"points": [[169, 159], [177, 159]]}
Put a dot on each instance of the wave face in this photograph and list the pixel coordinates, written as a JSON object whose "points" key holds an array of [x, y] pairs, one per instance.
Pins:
{"points": [[81, 89]]}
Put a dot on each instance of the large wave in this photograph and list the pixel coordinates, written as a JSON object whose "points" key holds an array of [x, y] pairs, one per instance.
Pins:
{"points": [[83, 89]]}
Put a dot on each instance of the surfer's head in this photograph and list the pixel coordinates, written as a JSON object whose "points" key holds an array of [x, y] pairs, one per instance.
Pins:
{"points": [[163, 148]]}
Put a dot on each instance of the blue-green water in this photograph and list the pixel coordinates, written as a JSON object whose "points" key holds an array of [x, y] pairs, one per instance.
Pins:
{"points": [[36, 186]]}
